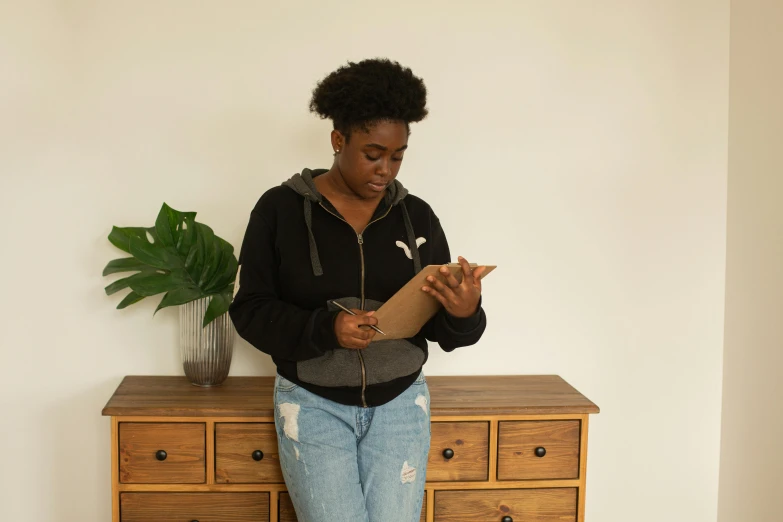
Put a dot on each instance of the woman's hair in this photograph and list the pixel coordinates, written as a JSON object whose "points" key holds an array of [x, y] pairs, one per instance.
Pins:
{"points": [[357, 95]]}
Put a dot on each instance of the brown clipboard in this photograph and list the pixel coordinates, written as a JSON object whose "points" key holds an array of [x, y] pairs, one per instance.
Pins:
{"points": [[407, 311]]}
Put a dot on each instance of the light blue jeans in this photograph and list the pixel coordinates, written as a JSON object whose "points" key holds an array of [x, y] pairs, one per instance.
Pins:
{"points": [[352, 464]]}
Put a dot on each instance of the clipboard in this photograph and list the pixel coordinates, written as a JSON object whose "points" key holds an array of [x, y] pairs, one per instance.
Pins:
{"points": [[407, 311]]}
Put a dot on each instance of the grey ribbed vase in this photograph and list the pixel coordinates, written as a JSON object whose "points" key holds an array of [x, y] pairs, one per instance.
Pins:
{"points": [[206, 352]]}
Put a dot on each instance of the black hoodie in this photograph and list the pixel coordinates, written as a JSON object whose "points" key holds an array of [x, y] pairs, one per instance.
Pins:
{"points": [[299, 253]]}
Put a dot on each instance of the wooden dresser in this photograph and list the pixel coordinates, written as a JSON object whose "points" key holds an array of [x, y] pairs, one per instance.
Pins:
{"points": [[504, 449]]}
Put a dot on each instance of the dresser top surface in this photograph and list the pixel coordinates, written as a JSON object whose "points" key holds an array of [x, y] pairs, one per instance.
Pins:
{"points": [[174, 396]]}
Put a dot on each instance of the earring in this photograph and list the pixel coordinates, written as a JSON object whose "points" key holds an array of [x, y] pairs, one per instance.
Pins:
{"points": [[337, 151]]}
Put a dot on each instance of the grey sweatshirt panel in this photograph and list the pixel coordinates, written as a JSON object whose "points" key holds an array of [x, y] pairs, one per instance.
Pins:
{"points": [[340, 367], [384, 360]]}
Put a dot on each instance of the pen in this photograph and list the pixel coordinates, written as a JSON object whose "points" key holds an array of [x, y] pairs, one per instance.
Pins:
{"points": [[348, 311]]}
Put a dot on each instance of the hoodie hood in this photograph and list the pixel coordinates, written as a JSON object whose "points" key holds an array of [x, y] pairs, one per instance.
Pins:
{"points": [[304, 185]]}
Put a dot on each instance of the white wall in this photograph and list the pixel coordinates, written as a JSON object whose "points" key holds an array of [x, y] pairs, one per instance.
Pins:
{"points": [[751, 450], [579, 145]]}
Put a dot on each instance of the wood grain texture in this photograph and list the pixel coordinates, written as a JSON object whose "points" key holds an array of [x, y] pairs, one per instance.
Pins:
{"points": [[288, 514], [286, 508], [184, 444], [470, 443], [529, 505], [517, 442], [167, 396], [274, 507], [115, 470], [512, 413], [582, 469], [234, 447], [493, 450], [215, 488], [204, 507], [210, 443]]}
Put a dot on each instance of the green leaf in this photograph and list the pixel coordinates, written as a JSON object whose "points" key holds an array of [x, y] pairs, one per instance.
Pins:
{"points": [[186, 233], [194, 261], [170, 228], [154, 254], [179, 296], [218, 260], [218, 305], [119, 284], [226, 271], [211, 252], [130, 299], [153, 284], [127, 264], [165, 225], [120, 237], [183, 259]]}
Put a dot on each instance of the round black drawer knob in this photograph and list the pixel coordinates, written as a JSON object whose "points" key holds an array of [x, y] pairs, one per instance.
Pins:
{"points": [[448, 453], [258, 455], [161, 455], [507, 519], [540, 452]]}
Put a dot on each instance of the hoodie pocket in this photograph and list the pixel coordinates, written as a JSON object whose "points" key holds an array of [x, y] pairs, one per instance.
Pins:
{"points": [[383, 360], [340, 367], [388, 360]]}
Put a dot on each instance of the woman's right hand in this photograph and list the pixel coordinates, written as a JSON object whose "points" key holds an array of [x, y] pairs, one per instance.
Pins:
{"points": [[353, 331]]}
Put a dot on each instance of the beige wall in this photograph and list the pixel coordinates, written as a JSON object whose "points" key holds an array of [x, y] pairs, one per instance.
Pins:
{"points": [[579, 145], [752, 434]]}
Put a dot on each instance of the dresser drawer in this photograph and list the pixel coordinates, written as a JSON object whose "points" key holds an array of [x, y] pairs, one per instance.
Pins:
{"points": [[286, 508], [522, 505], [459, 451], [162, 453], [534, 450], [287, 513], [188, 507], [246, 453]]}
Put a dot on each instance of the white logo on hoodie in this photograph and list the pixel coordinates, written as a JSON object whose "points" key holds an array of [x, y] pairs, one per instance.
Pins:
{"points": [[420, 241]]}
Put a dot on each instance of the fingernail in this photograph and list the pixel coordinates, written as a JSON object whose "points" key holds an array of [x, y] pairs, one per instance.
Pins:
{"points": [[425, 288], [370, 313], [444, 269]]}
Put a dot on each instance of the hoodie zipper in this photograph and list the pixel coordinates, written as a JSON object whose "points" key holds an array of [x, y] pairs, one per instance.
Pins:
{"points": [[360, 240]]}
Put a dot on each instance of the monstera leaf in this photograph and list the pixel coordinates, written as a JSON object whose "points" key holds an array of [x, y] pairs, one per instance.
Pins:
{"points": [[179, 257]]}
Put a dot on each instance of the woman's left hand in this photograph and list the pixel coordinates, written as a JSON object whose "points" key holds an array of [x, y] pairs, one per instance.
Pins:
{"points": [[460, 299]]}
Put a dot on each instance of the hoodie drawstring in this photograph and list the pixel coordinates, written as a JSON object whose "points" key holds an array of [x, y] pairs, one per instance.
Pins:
{"points": [[411, 239], [303, 184], [314, 259]]}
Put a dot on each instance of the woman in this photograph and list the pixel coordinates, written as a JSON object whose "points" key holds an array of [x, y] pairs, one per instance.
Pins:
{"points": [[352, 416]]}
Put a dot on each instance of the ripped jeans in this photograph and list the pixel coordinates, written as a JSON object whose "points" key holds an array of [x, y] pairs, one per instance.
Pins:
{"points": [[352, 464]]}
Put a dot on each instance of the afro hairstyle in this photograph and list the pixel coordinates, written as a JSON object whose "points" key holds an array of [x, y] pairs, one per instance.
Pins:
{"points": [[358, 95]]}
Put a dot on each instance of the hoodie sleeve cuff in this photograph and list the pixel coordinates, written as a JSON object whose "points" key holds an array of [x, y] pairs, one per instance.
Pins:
{"points": [[465, 324], [324, 337]]}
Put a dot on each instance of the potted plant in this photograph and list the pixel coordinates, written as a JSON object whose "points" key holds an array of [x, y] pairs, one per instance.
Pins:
{"points": [[195, 269]]}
